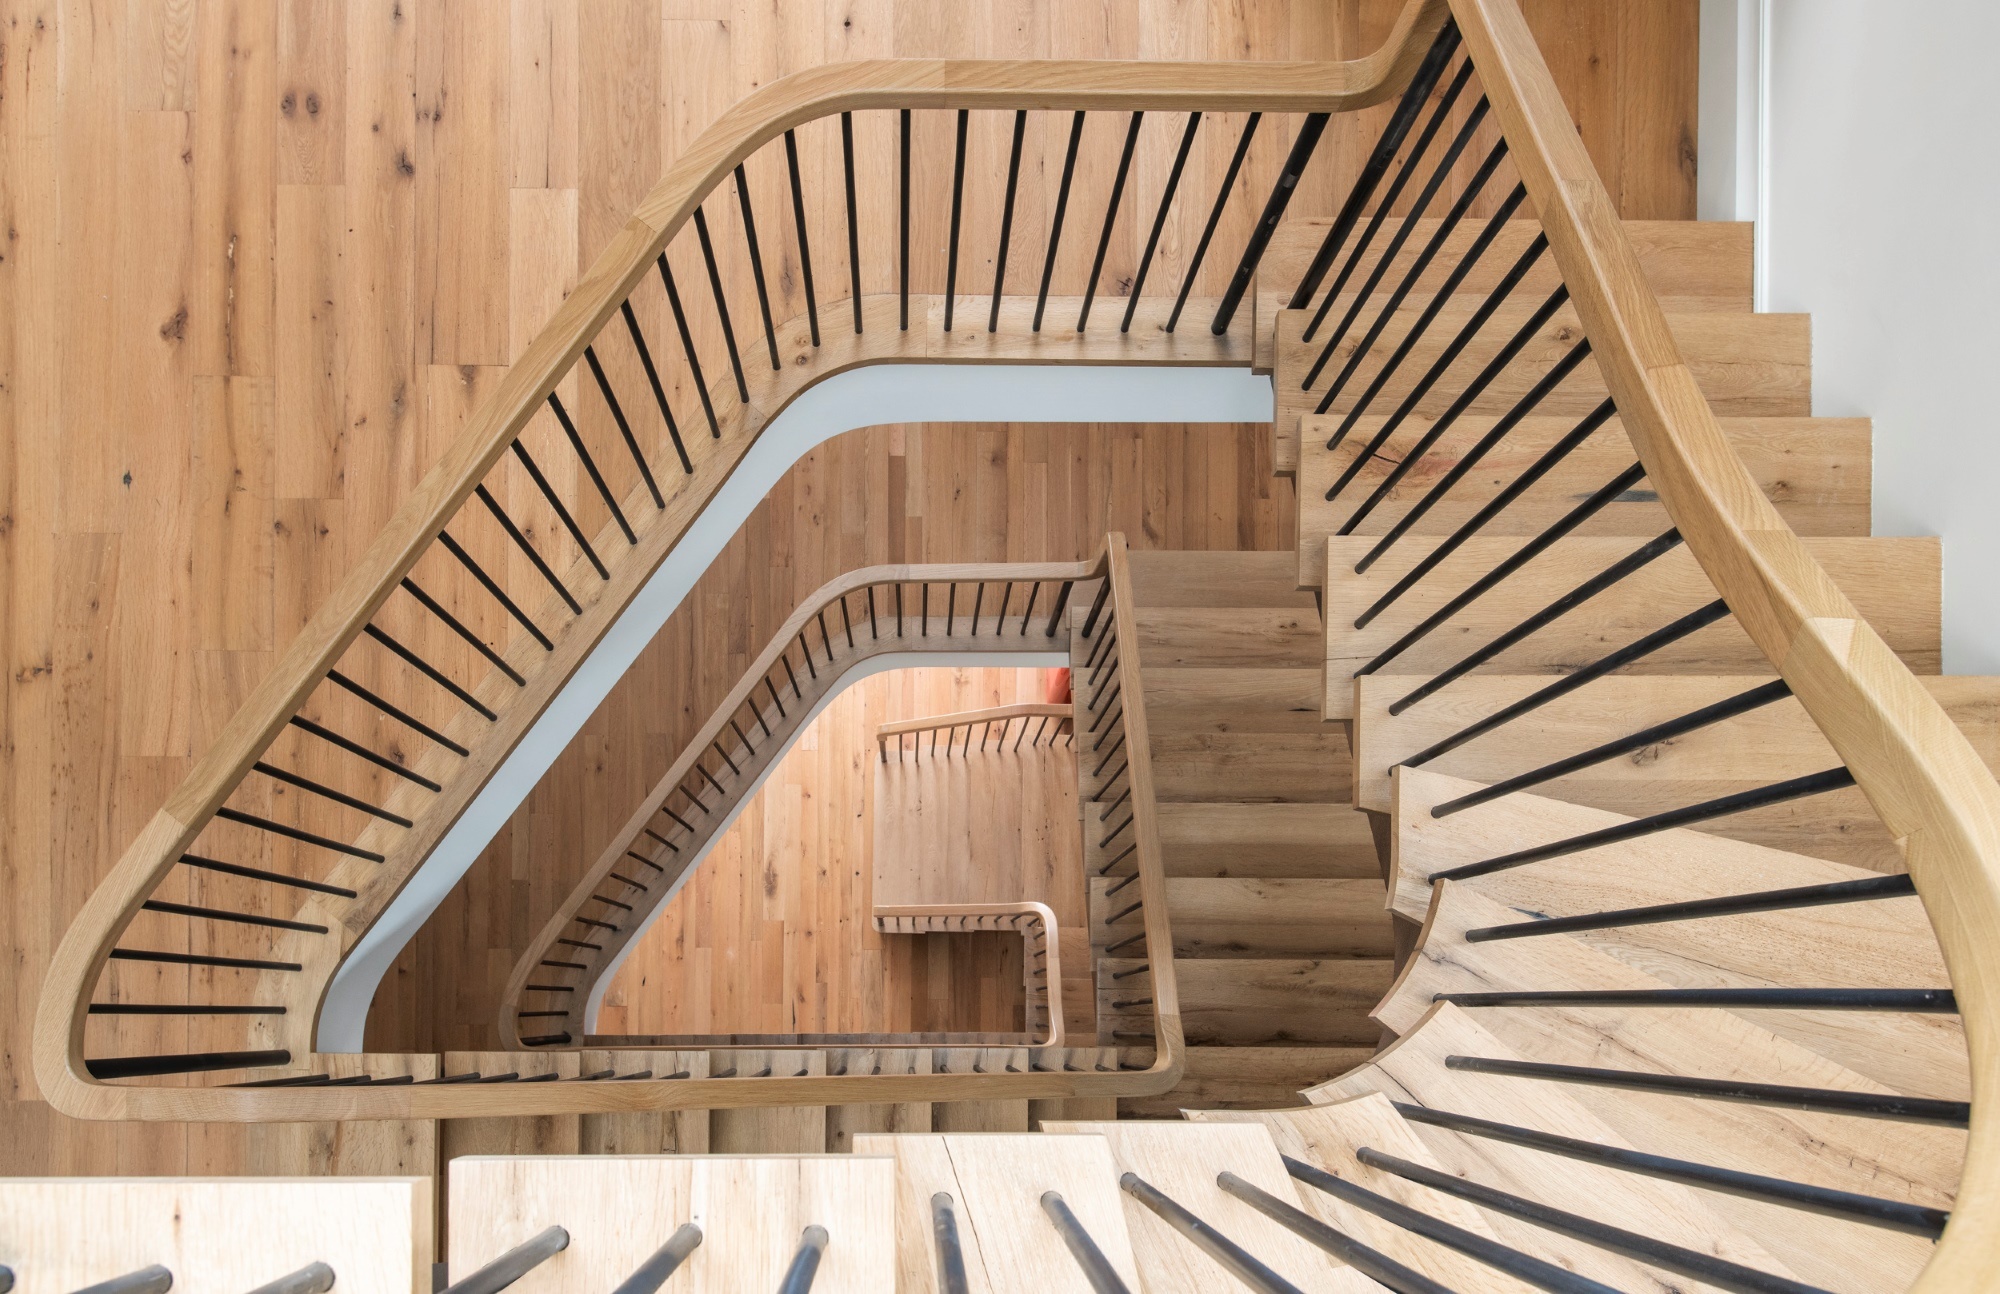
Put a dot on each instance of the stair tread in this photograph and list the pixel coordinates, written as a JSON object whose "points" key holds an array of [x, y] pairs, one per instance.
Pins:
{"points": [[1258, 1000], [1264, 839], [1902, 1161], [1281, 766], [1242, 699], [1413, 1070], [1893, 582], [1228, 637], [1815, 470], [1884, 943], [1747, 365], [996, 1183], [1247, 1077], [1182, 1161], [1327, 1136], [1222, 577], [1692, 266], [1238, 917]]}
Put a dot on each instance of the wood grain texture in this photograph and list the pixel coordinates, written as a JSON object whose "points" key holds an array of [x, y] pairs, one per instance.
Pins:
{"points": [[336, 84]]}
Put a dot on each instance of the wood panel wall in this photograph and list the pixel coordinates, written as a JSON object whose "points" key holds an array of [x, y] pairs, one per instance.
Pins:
{"points": [[260, 257]]}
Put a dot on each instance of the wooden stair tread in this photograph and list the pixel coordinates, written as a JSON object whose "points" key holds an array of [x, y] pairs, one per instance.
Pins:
{"points": [[1816, 470], [1413, 1070], [1237, 917], [1902, 1161], [1692, 266], [1327, 1136], [1893, 582], [1748, 365], [1241, 767], [1228, 637], [1182, 1160], [1263, 839], [996, 1184], [1222, 577], [1254, 1078], [1258, 1001], [1884, 943], [1246, 699]]}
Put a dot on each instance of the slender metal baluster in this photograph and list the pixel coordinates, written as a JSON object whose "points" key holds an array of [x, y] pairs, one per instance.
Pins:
{"points": [[487, 582], [1097, 1269], [514, 1264], [950, 1253], [721, 304], [1728, 708], [326, 792], [147, 1280], [562, 513], [1214, 216], [1404, 175], [1160, 220], [1006, 218], [853, 217], [1705, 1267], [805, 1264], [1503, 1258], [590, 467], [1688, 624], [1490, 580], [269, 878], [957, 198], [313, 1278], [429, 671], [903, 223], [799, 227], [521, 542], [1797, 788], [1056, 225], [409, 721], [1377, 165], [1232, 1257], [1395, 247], [1466, 398], [1527, 404], [1369, 1262], [659, 391], [1453, 349], [757, 264], [1562, 606], [1110, 218], [1498, 504], [1452, 219], [1826, 1100], [617, 416], [1802, 896], [687, 346], [1267, 224], [1446, 291], [653, 1273]]}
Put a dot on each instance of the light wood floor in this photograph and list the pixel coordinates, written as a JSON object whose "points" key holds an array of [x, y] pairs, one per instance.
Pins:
{"points": [[262, 255], [773, 933]]}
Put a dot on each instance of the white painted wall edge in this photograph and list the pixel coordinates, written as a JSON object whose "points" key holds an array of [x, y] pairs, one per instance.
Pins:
{"points": [[873, 665], [849, 401], [1732, 125]]}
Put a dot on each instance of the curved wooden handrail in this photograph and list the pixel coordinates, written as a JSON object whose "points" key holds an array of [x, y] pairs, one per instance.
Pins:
{"points": [[83, 952], [1920, 773], [616, 853], [967, 718], [979, 916]]}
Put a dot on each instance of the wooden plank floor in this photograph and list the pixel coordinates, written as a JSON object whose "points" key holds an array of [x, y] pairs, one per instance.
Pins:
{"points": [[773, 934], [262, 257]]}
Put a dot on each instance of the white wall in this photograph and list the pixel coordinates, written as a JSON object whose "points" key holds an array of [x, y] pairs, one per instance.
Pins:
{"points": [[1880, 202]]}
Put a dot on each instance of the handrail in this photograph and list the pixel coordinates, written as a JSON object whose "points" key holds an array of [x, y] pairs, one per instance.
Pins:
{"points": [[1920, 773], [970, 719], [1041, 984], [895, 623], [538, 673]]}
